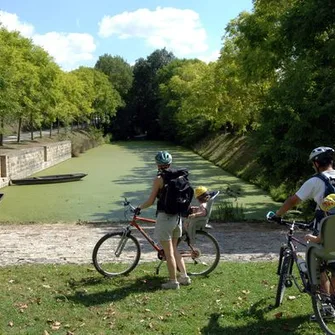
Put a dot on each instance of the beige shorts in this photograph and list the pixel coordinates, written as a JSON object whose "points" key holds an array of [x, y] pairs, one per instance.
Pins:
{"points": [[168, 226]]}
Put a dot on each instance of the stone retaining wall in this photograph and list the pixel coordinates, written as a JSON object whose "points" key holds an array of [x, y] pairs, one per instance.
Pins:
{"points": [[15, 164]]}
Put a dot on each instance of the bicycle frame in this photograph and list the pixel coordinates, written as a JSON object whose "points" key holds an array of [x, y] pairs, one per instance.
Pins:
{"points": [[134, 224], [292, 252]]}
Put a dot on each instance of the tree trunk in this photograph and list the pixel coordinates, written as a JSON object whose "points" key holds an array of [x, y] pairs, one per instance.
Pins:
{"points": [[19, 130], [50, 134], [41, 134], [1, 135], [31, 127]]}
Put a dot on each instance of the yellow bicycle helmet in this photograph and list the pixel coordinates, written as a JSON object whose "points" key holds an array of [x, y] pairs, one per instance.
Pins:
{"points": [[199, 191], [328, 202]]}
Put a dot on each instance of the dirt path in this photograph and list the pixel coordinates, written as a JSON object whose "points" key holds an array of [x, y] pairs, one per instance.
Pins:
{"points": [[73, 243]]}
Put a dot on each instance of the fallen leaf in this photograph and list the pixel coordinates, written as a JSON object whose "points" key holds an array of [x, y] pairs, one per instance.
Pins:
{"points": [[278, 315], [291, 297], [10, 323], [245, 291], [45, 332], [56, 325]]}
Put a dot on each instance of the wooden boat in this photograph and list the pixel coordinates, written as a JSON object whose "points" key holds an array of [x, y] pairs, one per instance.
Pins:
{"points": [[57, 178]]}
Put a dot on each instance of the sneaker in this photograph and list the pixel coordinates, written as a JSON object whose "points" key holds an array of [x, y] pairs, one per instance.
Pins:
{"points": [[327, 313], [170, 285], [184, 280]]}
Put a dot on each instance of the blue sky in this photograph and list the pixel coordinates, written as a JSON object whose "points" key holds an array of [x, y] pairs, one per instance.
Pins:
{"points": [[77, 32]]}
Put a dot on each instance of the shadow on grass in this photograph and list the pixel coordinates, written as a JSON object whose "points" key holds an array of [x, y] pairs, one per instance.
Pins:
{"points": [[258, 324], [120, 289], [261, 327]]}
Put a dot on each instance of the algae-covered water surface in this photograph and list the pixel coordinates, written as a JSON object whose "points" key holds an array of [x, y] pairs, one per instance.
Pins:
{"points": [[115, 171]]}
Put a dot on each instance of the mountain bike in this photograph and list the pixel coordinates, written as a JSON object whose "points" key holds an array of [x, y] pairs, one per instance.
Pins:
{"points": [[288, 257], [118, 253]]}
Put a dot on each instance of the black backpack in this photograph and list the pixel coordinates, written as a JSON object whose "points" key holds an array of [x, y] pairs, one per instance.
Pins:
{"points": [[329, 182], [177, 193]]}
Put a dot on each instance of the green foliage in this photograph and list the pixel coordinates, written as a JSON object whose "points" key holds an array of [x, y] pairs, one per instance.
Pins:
{"points": [[119, 72], [299, 114], [228, 211], [144, 98]]}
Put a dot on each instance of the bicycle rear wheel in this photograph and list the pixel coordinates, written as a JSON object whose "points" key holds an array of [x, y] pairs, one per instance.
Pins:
{"points": [[284, 278], [324, 310], [204, 257], [116, 254]]}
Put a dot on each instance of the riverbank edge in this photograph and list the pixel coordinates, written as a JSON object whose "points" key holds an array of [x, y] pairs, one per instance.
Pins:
{"points": [[20, 160]]}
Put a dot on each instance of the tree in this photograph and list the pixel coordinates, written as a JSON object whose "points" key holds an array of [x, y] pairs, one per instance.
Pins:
{"points": [[8, 75], [119, 72], [144, 100], [299, 113]]}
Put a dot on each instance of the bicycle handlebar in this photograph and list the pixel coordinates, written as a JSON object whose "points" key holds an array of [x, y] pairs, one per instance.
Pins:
{"points": [[301, 225], [272, 217]]}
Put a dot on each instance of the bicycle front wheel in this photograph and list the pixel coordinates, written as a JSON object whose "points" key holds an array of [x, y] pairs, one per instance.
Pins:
{"points": [[116, 254], [284, 278], [202, 256]]}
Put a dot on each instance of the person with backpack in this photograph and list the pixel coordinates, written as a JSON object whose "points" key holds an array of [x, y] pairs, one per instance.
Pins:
{"points": [[174, 194], [321, 188], [318, 187]]}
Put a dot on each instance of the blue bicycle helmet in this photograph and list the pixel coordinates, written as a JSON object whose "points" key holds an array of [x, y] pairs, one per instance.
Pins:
{"points": [[163, 158]]}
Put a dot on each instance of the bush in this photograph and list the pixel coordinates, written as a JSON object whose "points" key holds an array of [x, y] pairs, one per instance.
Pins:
{"points": [[228, 211]]}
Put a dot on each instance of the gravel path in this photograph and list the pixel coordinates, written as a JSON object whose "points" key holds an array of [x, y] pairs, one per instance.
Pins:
{"points": [[73, 243]]}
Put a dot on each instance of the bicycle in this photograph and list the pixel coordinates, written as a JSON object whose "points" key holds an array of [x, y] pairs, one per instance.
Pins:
{"points": [[288, 256], [118, 253], [320, 259]]}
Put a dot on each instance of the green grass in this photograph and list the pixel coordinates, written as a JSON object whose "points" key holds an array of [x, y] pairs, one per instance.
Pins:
{"points": [[71, 299]]}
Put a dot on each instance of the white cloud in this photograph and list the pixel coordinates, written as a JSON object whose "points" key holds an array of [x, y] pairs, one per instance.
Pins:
{"points": [[214, 56], [179, 30], [68, 49], [12, 22]]}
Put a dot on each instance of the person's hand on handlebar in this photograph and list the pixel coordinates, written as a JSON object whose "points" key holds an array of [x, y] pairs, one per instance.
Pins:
{"points": [[137, 211], [271, 216]]}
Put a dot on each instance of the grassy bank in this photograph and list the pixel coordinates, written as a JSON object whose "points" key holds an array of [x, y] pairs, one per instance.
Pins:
{"points": [[75, 300], [237, 155]]}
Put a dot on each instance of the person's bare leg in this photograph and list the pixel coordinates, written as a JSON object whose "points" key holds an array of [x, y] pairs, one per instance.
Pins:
{"points": [[179, 259], [170, 259], [324, 285]]}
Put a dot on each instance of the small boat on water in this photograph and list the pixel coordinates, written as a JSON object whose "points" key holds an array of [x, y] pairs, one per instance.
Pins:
{"points": [[57, 178]]}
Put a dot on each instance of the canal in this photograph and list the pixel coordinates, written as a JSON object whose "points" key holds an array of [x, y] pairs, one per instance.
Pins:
{"points": [[115, 171]]}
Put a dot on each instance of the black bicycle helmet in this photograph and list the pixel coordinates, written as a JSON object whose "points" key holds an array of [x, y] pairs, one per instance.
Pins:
{"points": [[320, 153], [163, 158]]}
